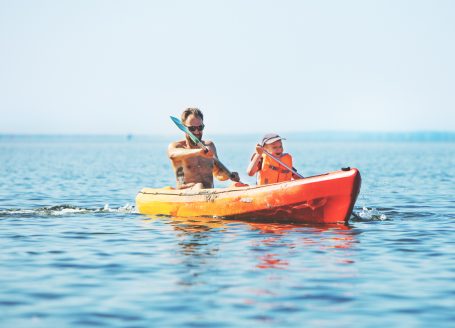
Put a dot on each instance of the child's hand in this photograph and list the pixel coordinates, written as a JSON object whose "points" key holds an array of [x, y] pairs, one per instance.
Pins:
{"points": [[259, 150]]}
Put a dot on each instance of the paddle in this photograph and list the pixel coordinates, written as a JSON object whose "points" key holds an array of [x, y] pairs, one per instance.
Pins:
{"points": [[276, 159], [201, 145]]}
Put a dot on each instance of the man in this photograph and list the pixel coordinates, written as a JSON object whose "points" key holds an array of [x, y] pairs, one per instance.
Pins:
{"points": [[195, 167]]}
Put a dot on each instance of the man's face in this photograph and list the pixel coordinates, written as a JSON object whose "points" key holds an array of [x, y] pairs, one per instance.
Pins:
{"points": [[195, 125]]}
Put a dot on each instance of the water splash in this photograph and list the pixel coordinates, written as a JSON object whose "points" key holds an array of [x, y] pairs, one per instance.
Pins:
{"points": [[128, 208], [63, 210], [367, 214]]}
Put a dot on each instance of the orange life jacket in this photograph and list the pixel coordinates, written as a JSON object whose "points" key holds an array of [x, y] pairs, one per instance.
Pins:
{"points": [[271, 171]]}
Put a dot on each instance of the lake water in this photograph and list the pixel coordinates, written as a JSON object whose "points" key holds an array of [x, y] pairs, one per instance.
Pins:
{"points": [[75, 253]]}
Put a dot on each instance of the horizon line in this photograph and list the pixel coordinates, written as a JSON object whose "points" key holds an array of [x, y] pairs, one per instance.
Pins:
{"points": [[323, 136], [318, 132]]}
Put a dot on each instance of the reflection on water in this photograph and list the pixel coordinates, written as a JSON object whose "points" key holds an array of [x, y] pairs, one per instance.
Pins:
{"points": [[338, 236], [194, 236], [263, 268], [270, 261], [200, 239]]}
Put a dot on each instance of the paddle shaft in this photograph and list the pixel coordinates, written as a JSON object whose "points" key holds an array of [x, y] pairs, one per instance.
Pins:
{"points": [[201, 145], [276, 159]]}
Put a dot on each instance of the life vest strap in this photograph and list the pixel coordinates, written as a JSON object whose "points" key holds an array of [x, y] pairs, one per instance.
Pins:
{"points": [[275, 168]]}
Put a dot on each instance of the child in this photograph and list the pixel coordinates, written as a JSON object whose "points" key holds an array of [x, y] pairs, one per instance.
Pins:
{"points": [[268, 169]]}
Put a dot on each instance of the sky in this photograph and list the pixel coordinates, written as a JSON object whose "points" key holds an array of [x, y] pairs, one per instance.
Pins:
{"points": [[252, 66]]}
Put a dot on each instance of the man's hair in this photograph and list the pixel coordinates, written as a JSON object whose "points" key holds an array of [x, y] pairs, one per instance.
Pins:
{"points": [[192, 111]]}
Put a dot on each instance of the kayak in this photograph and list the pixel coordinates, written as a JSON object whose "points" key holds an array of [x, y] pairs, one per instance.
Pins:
{"points": [[325, 198]]}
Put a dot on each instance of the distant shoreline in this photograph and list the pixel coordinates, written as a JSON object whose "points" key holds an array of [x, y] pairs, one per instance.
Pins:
{"points": [[329, 136]]}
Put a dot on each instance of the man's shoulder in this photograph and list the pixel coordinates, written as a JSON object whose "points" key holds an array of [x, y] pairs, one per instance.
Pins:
{"points": [[177, 144], [208, 143]]}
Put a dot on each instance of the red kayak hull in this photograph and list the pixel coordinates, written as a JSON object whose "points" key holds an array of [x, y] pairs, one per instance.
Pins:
{"points": [[326, 198]]}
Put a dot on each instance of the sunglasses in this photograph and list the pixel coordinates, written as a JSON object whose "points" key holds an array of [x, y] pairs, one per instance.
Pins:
{"points": [[194, 128]]}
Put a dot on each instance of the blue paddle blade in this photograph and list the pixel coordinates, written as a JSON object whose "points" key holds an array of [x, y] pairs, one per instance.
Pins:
{"points": [[184, 129]]}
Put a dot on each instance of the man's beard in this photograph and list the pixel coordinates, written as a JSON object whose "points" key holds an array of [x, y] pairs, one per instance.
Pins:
{"points": [[190, 141]]}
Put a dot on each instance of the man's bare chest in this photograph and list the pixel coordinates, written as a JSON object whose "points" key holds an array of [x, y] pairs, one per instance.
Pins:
{"points": [[198, 163]]}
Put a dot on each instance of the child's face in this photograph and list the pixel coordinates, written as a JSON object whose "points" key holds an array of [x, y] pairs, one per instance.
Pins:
{"points": [[275, 148]]}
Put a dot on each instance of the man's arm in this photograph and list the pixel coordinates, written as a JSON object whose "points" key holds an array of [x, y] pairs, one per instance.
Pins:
{"points": [[220, 174], [176, 152]]}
